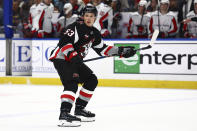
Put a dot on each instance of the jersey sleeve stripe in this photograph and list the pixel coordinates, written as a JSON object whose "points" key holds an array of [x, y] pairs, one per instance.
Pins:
{"points": [[101, 20], [55, 54], [68, 46], [107, 50], [175, 26], [41, 20], [151, 25], [130, 24]]}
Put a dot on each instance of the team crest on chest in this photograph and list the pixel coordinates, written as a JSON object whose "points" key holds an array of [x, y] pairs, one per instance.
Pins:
{"points": [[102, 13]]}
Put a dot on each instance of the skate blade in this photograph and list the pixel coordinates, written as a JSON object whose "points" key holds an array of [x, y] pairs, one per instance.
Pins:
{"points": [[86, 119], [64, 123]]}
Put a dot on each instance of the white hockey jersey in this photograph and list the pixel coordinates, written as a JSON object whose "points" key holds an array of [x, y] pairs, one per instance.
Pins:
{"points": [[190, 28], [40, 17], [138, 25], [105, 15], [166, 23], [64, 22]]}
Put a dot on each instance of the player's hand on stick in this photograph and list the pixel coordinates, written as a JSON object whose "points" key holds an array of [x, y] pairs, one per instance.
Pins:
{"points": [[185, 21], [126, 51]]}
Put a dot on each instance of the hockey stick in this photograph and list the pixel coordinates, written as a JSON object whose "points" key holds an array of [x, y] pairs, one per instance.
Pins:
{"points": [[153, 39]]}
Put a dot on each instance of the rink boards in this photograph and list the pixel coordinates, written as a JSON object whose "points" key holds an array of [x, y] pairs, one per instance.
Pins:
{"points": [[171, 63]]}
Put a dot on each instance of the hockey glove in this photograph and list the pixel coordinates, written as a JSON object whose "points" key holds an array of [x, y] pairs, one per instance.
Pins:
{"points": [[76, 60], [126, 51]]}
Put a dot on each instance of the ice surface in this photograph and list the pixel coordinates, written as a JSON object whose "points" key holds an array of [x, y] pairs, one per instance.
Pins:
{"points": [[36, 108]]}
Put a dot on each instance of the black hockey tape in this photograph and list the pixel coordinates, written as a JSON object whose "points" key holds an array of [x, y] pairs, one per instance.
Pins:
{"points": [[144, 48]]}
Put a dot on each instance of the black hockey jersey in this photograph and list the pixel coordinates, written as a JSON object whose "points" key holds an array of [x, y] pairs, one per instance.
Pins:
{"points": [[77, 38]]}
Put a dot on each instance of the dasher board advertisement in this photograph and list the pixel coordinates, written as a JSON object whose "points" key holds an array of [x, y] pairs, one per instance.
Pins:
{"points": [[21, 57], [160, 59], [41, 65]]}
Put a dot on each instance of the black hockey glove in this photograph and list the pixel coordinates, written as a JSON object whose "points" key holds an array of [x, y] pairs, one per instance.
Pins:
{"points": [[126, 51], [76, 60]]}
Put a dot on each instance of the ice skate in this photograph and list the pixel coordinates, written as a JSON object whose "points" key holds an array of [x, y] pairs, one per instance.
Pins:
{"points": [[68, 120], [85, 116]]}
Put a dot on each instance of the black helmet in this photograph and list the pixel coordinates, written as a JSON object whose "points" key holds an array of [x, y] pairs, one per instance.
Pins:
{"points": [[89, 9]]}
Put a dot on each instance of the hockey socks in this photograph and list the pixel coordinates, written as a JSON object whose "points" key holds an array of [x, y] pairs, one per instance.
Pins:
{"points": [[65, 118], [81, 102], [67, 100]]}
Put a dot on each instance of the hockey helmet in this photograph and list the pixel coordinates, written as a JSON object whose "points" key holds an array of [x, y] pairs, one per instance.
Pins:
{"points": [[142, 3], [89, 8], [165, 1], [67, 7]]}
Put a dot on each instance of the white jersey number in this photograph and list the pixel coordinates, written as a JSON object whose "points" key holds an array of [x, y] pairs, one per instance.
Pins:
{"points": [[69, 32]]}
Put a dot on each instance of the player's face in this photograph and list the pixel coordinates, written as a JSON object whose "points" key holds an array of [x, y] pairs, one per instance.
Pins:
{"points": [[141, 9], [153, 3], [164, 7], [89, 19]]}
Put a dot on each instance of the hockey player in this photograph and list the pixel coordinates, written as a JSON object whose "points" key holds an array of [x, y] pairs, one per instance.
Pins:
{"points": [[73, 46], [164, 21], [67, 19], [190, 24], [138, 23], [40, 19], [105, 17], [76, 7]]}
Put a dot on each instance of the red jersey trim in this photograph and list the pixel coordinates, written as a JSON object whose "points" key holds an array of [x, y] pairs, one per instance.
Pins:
{"points": [[41, 20], [68, 46], [55, 54], [175, 26], [106, 52], [101, 20], [130, 22]]}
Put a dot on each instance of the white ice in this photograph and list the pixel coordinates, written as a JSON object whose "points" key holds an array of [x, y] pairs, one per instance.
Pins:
{"points": [[36, 108]]}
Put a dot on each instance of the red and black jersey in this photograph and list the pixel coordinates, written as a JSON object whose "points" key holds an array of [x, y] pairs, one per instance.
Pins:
{"points": [[77, 39]]}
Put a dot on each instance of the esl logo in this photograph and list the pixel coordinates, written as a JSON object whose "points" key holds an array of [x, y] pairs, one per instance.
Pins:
{"points": [[127, 65]]}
